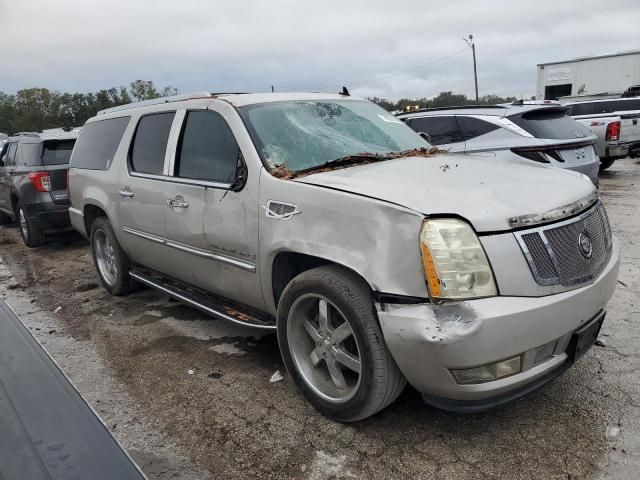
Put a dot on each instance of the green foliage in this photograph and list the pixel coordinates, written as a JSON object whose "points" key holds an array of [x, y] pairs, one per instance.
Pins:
{"points": [[443, 99], [34, 109]]}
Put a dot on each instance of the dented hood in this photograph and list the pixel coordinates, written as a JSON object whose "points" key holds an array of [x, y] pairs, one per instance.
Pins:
{"points": [[485, 191]]}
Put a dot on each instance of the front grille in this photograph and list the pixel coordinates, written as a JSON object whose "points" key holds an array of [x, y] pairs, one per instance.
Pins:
{"points": [[570, 252]]}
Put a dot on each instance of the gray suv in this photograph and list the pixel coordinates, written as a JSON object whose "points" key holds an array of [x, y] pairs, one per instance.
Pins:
{"points": [[531, 131], [33, 183], [376, 259]]}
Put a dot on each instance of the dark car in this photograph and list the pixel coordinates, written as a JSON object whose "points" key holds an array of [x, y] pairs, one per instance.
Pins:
{"points": [[33, 183]]}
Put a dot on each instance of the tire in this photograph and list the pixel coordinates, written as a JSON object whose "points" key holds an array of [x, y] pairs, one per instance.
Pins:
{"points": [[5, 219], [606, 163], [111, 263], [359, 393], [31, 235]]}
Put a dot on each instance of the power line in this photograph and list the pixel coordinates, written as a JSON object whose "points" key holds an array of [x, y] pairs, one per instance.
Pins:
{"points": [[377, 79]]}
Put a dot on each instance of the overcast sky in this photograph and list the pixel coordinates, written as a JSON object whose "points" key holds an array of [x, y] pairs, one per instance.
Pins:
{"points": [[244, 45]]}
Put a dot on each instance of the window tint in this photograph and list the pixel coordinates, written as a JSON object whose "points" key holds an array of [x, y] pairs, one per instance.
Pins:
{"points": [[150, 143], [11, 155], [582, 109], [550, 123], [208, 149], [441, 129], [57, 152], [98, 143], [474, 127], [28, 154]]}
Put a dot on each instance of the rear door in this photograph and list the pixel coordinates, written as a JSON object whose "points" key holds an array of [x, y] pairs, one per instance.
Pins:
{"points": [[6, 170], [443, 131], [142, 197], [481, 135]]}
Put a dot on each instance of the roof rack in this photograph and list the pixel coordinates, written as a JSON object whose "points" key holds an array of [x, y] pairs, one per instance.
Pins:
{"points": [[157, 101], [26, 134]]}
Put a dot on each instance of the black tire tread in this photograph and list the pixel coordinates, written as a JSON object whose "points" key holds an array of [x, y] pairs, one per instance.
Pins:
{"points": [[35, 236]]}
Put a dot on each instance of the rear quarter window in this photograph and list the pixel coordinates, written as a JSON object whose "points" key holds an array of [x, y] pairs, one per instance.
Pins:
{"points": [[57, 152], [98, 142], [550, 123]]}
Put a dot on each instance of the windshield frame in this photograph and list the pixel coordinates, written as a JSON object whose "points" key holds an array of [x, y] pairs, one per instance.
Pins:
{"points": [[257, 142]]}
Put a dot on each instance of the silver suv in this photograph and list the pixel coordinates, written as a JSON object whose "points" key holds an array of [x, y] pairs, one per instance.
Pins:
{"points": [[536, 131], [376, 259]]}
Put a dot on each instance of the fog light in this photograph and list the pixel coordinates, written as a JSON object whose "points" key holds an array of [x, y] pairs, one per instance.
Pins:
{"points": [[490, 372]]}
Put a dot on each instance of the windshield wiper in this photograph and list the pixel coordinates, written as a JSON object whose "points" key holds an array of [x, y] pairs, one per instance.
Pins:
{"points": [[345, 161]]}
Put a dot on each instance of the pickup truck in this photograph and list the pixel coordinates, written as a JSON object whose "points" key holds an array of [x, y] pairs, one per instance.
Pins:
{"points": [[616, 124]]}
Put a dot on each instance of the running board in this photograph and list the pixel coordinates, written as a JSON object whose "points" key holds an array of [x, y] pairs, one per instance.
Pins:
{"points": [[209, 303]]}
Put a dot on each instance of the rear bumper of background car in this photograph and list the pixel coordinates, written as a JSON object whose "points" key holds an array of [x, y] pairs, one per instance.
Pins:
{"points": [[428, 341]]}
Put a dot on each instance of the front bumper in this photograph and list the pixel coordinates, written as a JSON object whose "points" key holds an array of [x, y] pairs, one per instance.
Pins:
{"points": [[428, 340]]}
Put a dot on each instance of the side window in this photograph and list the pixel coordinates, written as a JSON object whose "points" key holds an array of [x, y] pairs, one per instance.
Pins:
{"points": [[207, 150], [474, 127], [441, 129], [98, 143], [29, 154], [150, 143], [11, 155]]}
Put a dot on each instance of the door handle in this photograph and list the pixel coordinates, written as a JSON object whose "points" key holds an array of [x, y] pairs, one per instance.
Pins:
{"points": [[125, 192], [177, 203]]}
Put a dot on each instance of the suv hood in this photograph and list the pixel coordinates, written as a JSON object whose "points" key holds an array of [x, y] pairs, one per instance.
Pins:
{"points": [[485, 191]]}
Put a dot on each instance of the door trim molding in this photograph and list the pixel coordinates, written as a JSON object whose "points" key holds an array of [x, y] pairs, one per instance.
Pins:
{"points": [[236, 262]]}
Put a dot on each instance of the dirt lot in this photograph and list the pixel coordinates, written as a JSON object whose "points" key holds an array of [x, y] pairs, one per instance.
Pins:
{"points": [[131, 357]]}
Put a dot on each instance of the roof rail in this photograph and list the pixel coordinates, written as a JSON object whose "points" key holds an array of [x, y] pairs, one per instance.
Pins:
{"points": [[457, 107], [26, 134], [157, 101]]}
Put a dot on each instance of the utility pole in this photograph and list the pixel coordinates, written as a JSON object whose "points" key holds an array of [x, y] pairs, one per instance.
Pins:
{"points": [[472, 44]]}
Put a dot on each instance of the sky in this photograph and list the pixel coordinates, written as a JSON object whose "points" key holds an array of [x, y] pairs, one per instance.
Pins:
{"points": [[389, 49]]}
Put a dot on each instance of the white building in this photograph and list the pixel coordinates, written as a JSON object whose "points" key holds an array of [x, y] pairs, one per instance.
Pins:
{"points": [[589, 75]]}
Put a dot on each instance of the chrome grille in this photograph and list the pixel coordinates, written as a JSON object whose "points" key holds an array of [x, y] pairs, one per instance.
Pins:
{"points": [[570, 252]]}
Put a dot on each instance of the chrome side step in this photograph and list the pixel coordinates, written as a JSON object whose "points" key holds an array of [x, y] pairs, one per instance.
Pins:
{"points": [[208, 303]]}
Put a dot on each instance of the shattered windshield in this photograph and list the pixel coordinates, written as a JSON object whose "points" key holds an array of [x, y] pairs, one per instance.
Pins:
{"points": [[299, 135]]}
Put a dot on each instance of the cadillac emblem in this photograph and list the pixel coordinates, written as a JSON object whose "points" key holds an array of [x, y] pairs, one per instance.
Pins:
{"points": [[585, 245]]}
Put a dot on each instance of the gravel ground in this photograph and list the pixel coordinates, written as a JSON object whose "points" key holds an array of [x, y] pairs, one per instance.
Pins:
{"points": [[189, 396]]}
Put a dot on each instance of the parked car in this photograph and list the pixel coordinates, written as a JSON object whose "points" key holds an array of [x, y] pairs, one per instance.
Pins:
{"points": [[537, 131], [615, 121], [33, 184], [376, 259]]}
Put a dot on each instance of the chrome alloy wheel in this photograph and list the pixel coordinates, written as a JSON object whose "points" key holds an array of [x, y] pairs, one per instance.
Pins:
{"points": [[105, 257], [324, 348]]}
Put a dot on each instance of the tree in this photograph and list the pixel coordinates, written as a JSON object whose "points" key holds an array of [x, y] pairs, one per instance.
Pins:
{"points": [[35, 109]]}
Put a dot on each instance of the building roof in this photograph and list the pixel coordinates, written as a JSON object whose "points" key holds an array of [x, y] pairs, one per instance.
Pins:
{"points": [[593, 57]]}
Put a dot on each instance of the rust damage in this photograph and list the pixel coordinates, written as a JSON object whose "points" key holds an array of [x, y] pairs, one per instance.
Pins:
{"points": [[281, 171]]}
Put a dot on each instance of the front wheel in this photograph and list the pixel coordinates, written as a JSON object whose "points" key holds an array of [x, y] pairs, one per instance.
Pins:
{"points": [[333, 347], [111, 262]]}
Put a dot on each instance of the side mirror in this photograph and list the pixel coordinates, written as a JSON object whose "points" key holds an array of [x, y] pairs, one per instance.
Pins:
{"points": [[426, 136], [241, 174]]}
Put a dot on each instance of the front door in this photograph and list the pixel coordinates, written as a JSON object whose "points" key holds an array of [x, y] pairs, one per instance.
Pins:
{"points": [[212, 225], [142, 200]]}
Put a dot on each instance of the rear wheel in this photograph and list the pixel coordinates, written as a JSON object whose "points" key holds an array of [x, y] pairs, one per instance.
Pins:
{"points": [[111, 262], [333, 347], [4, 219], [32, 236], [606, 163]]}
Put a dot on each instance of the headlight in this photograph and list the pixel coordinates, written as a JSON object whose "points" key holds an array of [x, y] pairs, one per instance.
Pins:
{"points": [[454, 261]]}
